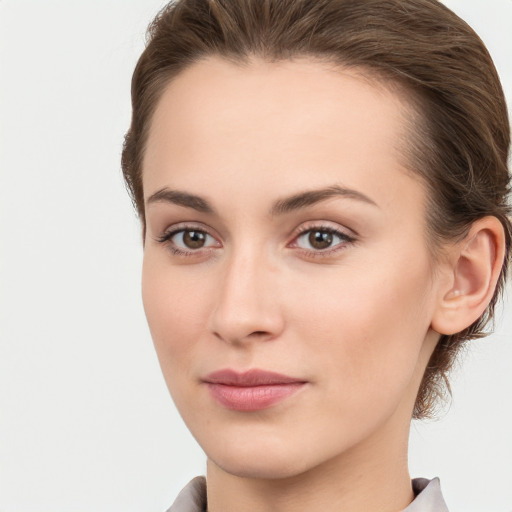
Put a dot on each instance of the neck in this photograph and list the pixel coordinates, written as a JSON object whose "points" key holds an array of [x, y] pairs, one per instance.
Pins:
{"points": [[373, 477]]}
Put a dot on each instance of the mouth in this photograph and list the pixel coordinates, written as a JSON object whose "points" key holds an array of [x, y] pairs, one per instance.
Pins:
{"points": [[252, 390]]}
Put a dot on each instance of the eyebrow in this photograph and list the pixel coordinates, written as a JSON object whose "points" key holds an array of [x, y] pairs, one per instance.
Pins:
{"points": [[280, 207], [311, 197], [166, 195]]}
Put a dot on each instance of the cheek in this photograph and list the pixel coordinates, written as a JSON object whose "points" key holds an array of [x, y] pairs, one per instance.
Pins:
{"points": [[366, 326], [175, 311]]}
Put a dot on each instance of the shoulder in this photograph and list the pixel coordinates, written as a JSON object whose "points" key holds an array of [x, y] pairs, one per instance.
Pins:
{"points": [[192, 497]]}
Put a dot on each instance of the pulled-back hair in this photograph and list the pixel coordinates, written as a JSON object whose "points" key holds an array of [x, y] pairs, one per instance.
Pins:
{"points": [[460, 138]]}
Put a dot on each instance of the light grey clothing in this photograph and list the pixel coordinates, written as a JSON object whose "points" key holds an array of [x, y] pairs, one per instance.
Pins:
{"points": [[428, 497]]}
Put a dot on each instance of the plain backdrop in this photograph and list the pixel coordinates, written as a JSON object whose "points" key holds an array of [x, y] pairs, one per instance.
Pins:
{"points": [[86, 423]]}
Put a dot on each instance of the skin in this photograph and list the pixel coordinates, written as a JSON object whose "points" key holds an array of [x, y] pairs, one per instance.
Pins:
{"points": [[354, 320]]}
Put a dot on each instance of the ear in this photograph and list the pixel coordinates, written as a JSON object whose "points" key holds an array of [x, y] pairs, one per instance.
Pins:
{"points": [[474, 267]]}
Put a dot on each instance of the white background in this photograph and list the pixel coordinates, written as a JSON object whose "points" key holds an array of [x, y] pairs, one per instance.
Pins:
{"points": [[86, 423]]}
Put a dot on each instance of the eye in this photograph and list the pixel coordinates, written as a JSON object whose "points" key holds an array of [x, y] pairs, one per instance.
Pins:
{"points": [[188, 240], [322, 239], [191, 239]]}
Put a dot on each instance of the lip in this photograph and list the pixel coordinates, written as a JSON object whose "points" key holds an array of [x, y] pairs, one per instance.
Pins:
{"points": [[252, 390]]}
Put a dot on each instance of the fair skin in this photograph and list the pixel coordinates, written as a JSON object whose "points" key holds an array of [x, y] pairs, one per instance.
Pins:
{"points": [[337, 289]]}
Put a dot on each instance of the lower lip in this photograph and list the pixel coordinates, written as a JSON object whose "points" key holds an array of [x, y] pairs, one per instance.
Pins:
{"points": [[252, 398]]}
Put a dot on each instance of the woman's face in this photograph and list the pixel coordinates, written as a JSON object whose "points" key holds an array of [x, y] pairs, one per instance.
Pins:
{"points": [[285, 235]]}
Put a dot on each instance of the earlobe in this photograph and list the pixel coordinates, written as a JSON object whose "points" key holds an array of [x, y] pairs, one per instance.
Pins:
{"points": [[475, 269]]}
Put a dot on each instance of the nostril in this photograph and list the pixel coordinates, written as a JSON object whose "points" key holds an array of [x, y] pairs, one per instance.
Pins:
{"points": [[255, 335], [259, 333]]}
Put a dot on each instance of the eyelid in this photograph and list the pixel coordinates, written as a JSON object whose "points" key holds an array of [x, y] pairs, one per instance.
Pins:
{"points": [[324, 225], [184, 226]]}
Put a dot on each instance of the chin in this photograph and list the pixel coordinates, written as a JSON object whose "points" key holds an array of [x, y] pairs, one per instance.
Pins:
{"points": [[261, 457], [263, 466]]}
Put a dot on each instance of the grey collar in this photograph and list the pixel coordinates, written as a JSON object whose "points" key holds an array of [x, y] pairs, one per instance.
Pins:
{"points": [[428, 496]]}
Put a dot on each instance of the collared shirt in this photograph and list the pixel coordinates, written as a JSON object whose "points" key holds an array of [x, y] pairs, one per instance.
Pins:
{"points": [[428, 497]]}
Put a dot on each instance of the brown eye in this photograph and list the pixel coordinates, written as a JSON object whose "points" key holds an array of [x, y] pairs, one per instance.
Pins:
{"points": [[189, 240], [194, 239], [320, 239]]}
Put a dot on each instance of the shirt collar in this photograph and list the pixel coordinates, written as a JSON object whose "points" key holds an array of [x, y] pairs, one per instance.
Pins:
{"points": [[428, 496]]}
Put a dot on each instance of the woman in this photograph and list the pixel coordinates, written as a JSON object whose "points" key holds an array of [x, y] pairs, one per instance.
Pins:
{"points": [[323, 194]]}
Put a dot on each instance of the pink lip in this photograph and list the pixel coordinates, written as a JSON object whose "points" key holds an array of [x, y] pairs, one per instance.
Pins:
{"points": [[252, 390]]}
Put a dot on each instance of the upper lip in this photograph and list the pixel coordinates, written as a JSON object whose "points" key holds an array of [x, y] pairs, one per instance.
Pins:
{"points": [[254, 377]]}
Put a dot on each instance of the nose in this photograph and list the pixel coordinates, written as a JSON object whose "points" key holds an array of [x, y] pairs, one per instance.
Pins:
{"points": [[247, 307]]}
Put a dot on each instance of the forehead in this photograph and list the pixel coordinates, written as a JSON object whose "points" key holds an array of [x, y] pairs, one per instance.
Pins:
{"points": [[289, 122]]}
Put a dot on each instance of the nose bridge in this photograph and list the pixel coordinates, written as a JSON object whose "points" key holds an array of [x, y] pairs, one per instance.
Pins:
{"points": [[246, 302]]}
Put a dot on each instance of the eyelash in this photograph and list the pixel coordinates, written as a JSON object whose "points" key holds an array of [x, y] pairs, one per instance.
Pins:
{"points": [[345, 240]]}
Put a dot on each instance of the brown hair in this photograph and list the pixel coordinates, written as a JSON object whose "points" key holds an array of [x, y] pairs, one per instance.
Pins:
{"points": [[459, 143]]}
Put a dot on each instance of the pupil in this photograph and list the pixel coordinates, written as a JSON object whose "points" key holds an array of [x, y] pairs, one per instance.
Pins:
{"points": [[320, 239], [194, 239]]}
